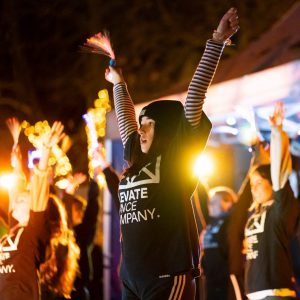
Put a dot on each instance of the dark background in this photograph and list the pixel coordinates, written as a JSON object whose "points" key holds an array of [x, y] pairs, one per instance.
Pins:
{"points": [[157, 43]]}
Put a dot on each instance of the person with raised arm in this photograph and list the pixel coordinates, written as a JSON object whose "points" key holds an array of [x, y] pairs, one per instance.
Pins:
{"points": [[272, 222], [158, 261], [23, 249]]}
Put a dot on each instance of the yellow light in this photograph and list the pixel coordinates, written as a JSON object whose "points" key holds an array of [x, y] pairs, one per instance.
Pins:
{"points": [[57, 157], [95, 127], [62, 184], [103, 94], [101, 180], [7, 181], [101, 132], [52, 161], [38, 126], [204, 166], [24, 124]]}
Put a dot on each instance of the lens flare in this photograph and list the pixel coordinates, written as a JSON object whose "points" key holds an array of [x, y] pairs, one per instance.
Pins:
{"points": [[7, 181], [204, 166]]}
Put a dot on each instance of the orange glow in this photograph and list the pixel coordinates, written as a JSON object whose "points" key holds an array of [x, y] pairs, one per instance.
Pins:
{"points": [[204, 166], [62, 184], [7, 181]]}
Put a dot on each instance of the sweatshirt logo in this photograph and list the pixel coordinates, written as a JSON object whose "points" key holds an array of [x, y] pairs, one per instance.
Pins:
{"points": [[133, 192], [8, 244], [255, 225], [148, 177]]}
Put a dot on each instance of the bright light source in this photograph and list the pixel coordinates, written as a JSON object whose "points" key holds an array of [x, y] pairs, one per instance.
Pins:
{"points": [[204, 166], [7, 181], [231, 121], [101, 180], [62, 184]]}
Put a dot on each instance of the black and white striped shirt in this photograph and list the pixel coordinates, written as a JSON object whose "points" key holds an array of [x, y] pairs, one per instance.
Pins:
{"points": [[195, 96]]}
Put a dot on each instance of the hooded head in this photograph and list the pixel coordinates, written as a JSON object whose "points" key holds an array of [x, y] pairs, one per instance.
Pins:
{"points": [[166, 115]]}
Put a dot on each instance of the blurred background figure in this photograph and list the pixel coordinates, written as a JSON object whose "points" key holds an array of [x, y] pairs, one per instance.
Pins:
{"points": [[214, 245], [272, 223], [29, 253]]}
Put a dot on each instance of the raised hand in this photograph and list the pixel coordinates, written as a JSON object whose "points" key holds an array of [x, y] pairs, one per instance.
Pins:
{"points": [[14, 128], [48, 141], [54, 136], [74, 181], [99, 157], [227, 27], [79, 178], [114, 75], [276, 119]]}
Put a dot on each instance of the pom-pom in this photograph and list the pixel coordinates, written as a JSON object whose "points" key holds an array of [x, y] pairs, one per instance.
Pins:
{"points": [[100, 44]]}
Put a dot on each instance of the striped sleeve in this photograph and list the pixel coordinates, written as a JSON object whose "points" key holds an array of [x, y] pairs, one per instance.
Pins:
{"points": [[125, 111], [201, 81]]}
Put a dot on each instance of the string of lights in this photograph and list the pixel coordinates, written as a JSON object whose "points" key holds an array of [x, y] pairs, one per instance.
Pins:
{"points": [[95, 120], [58, 157]]}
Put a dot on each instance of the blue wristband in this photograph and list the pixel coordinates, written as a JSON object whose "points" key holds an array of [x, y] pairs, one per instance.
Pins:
{"points": [[112, 62]]}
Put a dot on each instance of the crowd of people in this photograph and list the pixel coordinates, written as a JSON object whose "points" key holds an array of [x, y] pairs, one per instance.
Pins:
{"points": [[179, 238]]}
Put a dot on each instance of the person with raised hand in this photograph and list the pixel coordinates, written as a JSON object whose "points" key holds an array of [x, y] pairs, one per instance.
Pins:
{"points": [[22, 250], [159, 249], [111, 176], [273, 221]]}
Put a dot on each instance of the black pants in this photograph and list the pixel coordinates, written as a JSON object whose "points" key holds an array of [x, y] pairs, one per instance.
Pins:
{"points": [[180, 287]]}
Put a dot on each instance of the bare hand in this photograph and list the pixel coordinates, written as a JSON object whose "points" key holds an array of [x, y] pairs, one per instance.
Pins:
{"points": [[99, 157], [54, 136], [277, 118], [79, 178], [14, 128], [228, 26], [74, 182], [114, 75]]}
